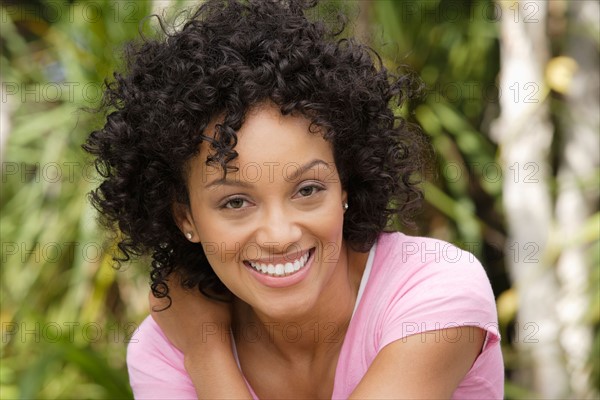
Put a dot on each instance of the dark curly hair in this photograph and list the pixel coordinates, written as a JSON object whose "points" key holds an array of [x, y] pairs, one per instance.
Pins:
{"points": [[230, 56]]}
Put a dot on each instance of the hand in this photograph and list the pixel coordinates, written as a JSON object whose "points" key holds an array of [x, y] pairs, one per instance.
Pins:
{"points": [[208, 358], [192, 319]]}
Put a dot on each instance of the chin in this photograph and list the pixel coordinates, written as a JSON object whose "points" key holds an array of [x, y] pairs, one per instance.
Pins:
{"points": [[288, 309]]}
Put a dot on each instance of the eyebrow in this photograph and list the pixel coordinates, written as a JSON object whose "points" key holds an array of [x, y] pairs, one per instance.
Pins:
{"points": [[299, 172]]}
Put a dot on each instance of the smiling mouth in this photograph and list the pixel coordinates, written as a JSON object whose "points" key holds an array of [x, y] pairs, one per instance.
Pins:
{"points": [[281, 270]]}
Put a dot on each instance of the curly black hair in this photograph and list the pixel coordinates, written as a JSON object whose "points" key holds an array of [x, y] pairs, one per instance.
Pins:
{"points": [[230, 56]]}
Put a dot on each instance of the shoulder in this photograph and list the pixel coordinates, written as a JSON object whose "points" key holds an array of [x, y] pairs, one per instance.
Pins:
{"points": [[417, 251], [155, 366], [148, 343], [422, 284], [434, 290], [411, 264]]}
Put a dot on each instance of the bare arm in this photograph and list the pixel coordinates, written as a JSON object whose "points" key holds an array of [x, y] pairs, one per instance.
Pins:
{"points": [[215, 373], [422, 366], [199, 327]]}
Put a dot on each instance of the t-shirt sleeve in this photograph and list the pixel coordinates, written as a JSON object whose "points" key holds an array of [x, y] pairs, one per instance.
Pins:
{"points": [[156, 369], [439, 287]]}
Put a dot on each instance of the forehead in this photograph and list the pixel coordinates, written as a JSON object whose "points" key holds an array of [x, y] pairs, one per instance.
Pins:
{"points": [[269, 140]]}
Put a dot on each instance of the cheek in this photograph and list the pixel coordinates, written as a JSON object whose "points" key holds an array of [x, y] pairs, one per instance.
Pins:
{"points": [[223, 247], [327, 227], [220, 241], [331, 225], [330, 219], [222, 258], [210, 225]]}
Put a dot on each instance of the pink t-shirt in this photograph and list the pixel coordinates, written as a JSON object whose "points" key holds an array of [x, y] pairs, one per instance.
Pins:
{"points": [[411, 285]]}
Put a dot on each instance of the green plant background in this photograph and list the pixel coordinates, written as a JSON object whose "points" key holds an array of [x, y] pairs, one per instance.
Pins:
{"points": [[67, 314]]}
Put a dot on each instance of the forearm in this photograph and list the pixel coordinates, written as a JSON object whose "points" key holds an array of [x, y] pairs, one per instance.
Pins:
{"points": [[215, 373]]}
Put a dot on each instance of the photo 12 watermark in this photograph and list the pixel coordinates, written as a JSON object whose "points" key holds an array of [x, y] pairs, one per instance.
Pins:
{"points": [[50, 172], [491, 172], [50, 252], [474, 91], [51, 92], [53, 332], [64, 11], [454, 11]]}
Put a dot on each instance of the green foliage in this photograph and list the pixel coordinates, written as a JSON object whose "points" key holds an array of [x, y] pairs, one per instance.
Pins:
{"points": [[453, 46], [66, 314]]}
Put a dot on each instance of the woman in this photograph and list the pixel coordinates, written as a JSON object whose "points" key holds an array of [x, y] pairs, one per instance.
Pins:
{"points": [[258, 160]]}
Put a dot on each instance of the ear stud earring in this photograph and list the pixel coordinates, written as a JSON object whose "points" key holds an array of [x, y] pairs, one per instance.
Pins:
{"points": [[345, 205], [189, 235]]}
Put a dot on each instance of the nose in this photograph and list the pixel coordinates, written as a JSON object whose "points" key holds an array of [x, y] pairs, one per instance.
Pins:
{"points": [[278, 229]]}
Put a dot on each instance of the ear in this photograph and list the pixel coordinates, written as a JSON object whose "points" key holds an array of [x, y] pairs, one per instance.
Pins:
{"points": [[185, 221]]}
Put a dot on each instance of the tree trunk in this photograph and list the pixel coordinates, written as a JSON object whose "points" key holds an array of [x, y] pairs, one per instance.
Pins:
{"points": [[524, 134], [575, 202]]}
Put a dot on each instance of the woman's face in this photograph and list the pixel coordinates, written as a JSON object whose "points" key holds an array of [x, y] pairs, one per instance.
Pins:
{"points": [[272, 230]]}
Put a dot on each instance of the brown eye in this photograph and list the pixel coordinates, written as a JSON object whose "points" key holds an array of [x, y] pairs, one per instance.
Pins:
{"points": [[235, 203], [309, 190]]}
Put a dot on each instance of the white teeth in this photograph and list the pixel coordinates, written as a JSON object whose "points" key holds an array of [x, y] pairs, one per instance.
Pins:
{"points": [[289, 268], [280, 269]]}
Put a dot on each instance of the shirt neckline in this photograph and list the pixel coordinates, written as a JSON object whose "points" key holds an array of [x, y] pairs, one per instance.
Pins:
{"points": [[365, 278]]}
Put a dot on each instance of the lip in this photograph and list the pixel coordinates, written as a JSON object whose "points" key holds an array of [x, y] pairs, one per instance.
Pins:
{"points": [[283, 281]]}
